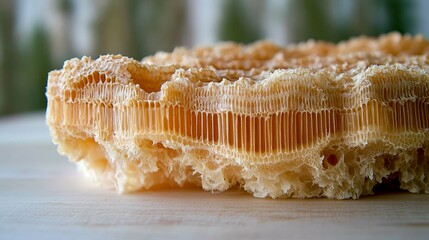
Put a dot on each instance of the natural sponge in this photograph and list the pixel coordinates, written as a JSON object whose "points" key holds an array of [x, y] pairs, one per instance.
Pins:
{"points": [[309, 120]]}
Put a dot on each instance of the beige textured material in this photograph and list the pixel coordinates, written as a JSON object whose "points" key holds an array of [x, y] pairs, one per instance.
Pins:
{"points": [[308, 120]]}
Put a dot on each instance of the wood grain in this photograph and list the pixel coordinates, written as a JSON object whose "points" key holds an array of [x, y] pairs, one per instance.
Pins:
{"points": [[43, 197]]}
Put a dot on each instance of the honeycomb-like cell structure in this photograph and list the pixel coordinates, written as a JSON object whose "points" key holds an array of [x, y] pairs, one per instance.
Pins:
{"points": [[308, 120]]}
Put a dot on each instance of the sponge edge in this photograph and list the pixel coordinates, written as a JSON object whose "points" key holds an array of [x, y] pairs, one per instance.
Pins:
{"points": [[353, 173], [272, 124]]}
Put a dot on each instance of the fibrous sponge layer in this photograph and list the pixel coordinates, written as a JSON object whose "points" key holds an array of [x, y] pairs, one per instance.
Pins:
{"points": [[309, 120]]}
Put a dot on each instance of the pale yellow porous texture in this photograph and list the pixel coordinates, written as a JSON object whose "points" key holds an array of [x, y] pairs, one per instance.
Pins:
{"points": [[308, 120]]}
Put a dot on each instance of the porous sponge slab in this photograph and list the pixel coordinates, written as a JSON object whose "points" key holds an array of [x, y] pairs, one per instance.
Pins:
{"points": [[308, 120]]}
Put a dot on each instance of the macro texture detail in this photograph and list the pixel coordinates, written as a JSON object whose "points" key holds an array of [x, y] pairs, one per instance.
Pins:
{"points": [[308, 120]]}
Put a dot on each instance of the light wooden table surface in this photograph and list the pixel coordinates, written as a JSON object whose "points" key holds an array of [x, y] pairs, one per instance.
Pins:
{"points": [[43, 197]]}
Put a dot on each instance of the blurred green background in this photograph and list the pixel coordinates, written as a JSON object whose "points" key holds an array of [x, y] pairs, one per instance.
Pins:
{"points": [[38, 36]]}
